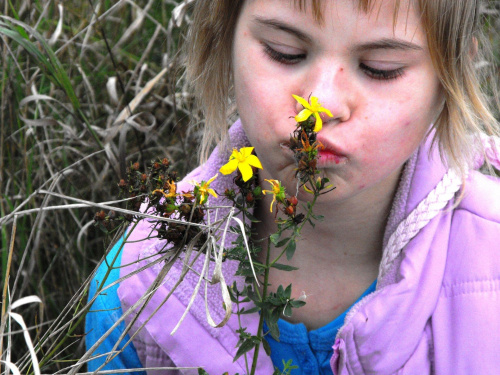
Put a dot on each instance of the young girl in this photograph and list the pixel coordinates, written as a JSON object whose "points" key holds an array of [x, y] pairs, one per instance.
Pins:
{"points": [[402, 276]]}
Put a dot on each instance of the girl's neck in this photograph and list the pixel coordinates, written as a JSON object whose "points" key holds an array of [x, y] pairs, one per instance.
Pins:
{"points": [[351, 230], [337, 260]]}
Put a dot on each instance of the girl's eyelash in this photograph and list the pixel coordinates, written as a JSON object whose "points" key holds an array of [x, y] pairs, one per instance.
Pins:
{"points": [[384, 75], [283, 58], [289, 59]]}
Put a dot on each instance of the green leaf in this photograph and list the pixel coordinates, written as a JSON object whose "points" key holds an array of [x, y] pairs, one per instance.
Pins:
{"points": [[296, 303], [267, 347], [310, 222], [276, 314], [282, 242], [288, 291], [290, 249], [252, 218], [247, 345], [250, 311], [275, 237], [274, 330], [288, 310], [280, 291], [284, 267]]}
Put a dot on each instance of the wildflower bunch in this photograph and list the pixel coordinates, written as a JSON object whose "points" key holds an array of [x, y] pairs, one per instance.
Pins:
{"points": [[157, 192], [272, 305], [306, 147]]}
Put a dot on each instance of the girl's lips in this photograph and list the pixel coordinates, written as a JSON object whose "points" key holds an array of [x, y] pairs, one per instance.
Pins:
{"points": [[330, 155]]}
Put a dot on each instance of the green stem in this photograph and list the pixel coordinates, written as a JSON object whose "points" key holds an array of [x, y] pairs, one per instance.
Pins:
{"points": [[261, 319], [239, 323], [309, 212]]}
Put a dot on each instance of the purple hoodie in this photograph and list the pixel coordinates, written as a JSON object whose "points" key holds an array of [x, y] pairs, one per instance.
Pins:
{"points": [[436, 308]]}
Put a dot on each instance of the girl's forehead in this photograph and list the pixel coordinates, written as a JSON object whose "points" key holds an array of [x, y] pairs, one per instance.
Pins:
{"points": [[390, 13], [316, 7]]}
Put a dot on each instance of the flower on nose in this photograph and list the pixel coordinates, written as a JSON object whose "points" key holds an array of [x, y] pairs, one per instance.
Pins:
{"points": [[277, 191], [313, 108], [243, 160], [202, 189]]}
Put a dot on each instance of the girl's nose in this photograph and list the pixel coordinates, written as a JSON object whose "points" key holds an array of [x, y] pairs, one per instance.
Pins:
{"points": [[330, 86]]}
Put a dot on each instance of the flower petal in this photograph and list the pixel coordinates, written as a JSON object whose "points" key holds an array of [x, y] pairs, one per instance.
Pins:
{"points": [[246, 151], [212, 192], [271, 208], [314, 102], [229, 167], [324, 110], [212, 179], [273, 183], [308, 190], [319, 123], [234, 154], [246, 171], [303, 115], [302, 101], [254, 161]]}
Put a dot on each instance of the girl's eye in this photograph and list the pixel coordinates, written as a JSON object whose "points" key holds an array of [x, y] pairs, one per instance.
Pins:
{"points": [[283, 58], [381, 74]]}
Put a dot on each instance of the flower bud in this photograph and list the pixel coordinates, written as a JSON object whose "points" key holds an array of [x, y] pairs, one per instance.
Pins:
{"points": [[185, 208], [319, 183], [293, 201], [99, 216], [290, 210], [257, 192], [170, 208], [229, 193]]}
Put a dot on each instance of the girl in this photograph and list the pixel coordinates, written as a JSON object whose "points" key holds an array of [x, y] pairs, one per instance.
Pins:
{"points": [[403, 275]]}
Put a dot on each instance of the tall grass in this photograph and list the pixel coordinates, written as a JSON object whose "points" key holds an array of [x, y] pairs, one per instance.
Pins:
{"points": [[71, 72]]}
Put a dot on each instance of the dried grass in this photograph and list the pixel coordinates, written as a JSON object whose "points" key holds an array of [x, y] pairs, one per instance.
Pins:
{"points": [[87, 88]]}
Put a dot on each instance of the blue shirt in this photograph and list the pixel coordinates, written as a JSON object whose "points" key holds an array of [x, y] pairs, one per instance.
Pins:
{"points": [[310, 351]]}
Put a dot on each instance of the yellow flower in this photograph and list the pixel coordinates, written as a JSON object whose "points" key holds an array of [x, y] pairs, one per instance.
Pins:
{"points": [[172, 190], [203, 189], [242, 160], [277, 191], [314, 108]]}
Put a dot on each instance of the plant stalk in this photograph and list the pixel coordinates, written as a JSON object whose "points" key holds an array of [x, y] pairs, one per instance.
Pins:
{"points": [[261, 319]]}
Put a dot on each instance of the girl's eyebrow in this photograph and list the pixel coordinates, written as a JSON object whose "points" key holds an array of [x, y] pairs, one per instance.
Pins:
{"points": [[279, 25], [388, 43]]}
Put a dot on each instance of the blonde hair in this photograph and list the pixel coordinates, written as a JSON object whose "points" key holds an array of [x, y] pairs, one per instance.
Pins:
{"points": [[457, 44]]}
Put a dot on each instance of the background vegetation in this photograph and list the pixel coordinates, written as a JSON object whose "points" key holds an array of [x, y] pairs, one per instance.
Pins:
{"points": [[69, 72]]}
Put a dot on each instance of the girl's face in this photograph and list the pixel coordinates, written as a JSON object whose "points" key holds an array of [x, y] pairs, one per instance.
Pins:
{"points": [[376, 77]]}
